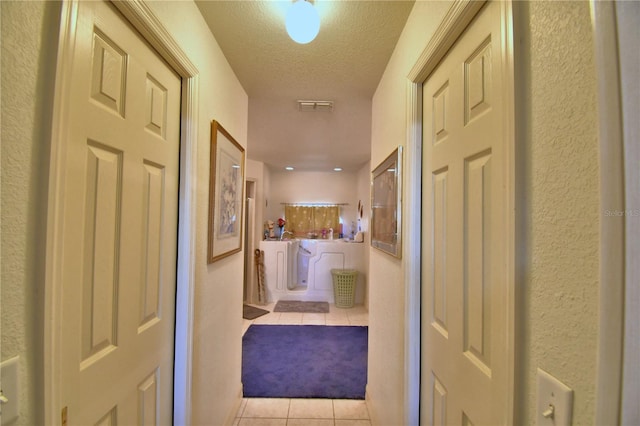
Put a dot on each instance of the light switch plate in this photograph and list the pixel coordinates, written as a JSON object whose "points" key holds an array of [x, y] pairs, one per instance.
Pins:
{"points": [[553, 393], [9, 385]]}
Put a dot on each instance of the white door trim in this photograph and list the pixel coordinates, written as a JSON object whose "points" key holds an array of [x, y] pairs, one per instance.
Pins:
{"points": [[612, 228], [149, 26], [453, 24], [413, 216], [628, 30], [456, 20]]}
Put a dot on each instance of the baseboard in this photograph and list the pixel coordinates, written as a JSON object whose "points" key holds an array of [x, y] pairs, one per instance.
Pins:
{"points": [[231, 417], [373, 417]]}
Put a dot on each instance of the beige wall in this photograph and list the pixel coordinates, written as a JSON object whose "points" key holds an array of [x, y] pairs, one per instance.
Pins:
{"points": [[29, 31], [28, 60], [559, 182], [562, 208]]}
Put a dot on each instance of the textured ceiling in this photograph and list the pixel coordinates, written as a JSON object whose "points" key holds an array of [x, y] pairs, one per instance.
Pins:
{"points": [[343, 64]]}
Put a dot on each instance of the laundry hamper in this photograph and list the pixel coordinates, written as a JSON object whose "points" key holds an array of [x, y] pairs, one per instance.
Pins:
{"points": [[344, 287]]}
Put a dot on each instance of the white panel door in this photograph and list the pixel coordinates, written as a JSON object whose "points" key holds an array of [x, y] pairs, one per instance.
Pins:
{"points": [[120, 227], [465, 230]]}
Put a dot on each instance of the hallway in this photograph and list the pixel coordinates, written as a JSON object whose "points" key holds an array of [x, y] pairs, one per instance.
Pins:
{"points": [[307, 412], [563, 246]]}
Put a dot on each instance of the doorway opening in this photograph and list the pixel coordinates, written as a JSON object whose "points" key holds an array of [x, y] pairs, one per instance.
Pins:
{"points": [[248, 295]]}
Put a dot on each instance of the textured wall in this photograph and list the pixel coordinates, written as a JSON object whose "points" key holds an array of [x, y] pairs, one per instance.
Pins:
{"points": [[29, 34], [562, 203]]}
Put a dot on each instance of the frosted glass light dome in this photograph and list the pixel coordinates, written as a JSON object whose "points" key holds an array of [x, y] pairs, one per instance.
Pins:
{"points": [[302, 22]]}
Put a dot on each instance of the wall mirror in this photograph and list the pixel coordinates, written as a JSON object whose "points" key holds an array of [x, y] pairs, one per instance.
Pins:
{"points": [[386, 205]]}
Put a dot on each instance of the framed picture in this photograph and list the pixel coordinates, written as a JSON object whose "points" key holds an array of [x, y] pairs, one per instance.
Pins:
{"points": [[386, 205], [226, 185]]}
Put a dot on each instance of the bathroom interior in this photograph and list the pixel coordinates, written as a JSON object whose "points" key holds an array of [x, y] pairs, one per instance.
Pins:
{"points": [[326, 221]]}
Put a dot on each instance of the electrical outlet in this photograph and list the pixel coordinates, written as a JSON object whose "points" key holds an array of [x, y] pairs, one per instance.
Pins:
{"points": [[555, 401]]}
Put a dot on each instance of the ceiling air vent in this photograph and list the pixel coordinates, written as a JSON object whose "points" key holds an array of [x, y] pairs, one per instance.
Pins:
{"points": [[315, 106]]}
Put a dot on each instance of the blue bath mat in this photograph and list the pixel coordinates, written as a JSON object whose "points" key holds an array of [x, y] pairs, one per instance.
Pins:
{"points": [[304, 361]]}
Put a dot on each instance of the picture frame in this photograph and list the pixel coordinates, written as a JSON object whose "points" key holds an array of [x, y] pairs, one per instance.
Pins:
{"points": [[226, 191], [386, 205]]}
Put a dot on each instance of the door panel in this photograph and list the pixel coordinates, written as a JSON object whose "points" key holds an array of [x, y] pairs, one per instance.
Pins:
{"points": [[465, 289], [120, 226]]}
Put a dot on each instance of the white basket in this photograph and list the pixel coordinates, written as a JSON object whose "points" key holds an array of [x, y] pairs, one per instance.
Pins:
{"points": [[344, 287]]}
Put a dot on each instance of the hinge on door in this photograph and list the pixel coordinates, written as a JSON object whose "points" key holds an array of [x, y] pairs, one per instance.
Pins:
{"points": [[63, 417]]}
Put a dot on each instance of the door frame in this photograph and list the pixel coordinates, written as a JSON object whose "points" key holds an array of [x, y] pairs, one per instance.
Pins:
{"points": [[151, 29], [617, 372], [250, 240], [454, 23]]}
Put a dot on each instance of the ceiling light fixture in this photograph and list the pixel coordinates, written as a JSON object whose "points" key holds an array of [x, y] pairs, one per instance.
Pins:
{"points": [[289, 168], [337, 169], [302, 22]]}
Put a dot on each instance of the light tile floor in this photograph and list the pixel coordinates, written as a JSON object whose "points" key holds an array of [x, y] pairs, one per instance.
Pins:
{"points": [[302, 412], [357, 315], [305, 412]]}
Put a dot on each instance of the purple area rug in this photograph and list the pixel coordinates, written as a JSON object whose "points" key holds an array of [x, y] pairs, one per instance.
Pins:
{"points": [[304, 361]]}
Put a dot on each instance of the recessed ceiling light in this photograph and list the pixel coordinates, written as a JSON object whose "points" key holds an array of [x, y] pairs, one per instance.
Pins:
{"points": [[337, 169], [288, 168]]}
